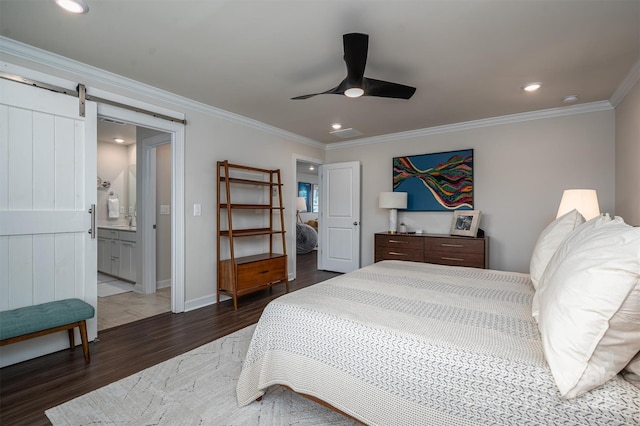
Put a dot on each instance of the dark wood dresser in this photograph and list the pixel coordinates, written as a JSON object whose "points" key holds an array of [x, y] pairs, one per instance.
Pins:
{"points": [[433, 248]]}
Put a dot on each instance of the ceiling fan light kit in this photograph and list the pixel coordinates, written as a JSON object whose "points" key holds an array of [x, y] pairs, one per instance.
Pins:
{"points": [[354, 92], [73, 6], [355, 84]]}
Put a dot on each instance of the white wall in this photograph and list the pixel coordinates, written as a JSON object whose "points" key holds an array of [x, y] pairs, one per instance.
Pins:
{"points": [[628, 157], [520, 171]]}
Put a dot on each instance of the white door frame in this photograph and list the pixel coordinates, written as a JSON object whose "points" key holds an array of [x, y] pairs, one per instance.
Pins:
{"points": [[148, 185], [177, 132], [293, 216]]}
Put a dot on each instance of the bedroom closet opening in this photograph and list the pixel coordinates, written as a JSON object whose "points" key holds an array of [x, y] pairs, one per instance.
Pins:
{"points": [[121, 297], [307, 196]]}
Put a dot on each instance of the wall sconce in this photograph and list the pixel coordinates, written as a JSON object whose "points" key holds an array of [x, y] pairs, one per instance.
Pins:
{"points": [[301, 206], [583, 200], [393, 201]]}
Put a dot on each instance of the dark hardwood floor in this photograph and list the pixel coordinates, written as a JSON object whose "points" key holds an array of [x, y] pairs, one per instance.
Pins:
{"points": [[29, 388]]}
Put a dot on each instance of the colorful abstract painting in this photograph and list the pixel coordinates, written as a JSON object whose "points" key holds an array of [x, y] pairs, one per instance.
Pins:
{"points": [[436, 182]]}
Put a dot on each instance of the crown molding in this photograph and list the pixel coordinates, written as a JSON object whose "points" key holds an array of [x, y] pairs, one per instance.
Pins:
{"points": [[486, 122], [627, 84], [85, 72]]}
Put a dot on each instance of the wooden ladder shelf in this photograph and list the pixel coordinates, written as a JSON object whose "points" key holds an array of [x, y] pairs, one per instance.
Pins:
{"points": [[250, 272]]}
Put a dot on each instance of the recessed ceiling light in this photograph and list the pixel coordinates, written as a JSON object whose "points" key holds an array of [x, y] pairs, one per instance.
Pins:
{"points": [[73, 6], [336, 126], [311, 168], [354, 92], [570, 99], [119, 140], [531, 87]]}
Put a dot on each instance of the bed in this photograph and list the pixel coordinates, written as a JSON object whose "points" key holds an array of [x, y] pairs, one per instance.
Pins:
{"points": [[421, 344]]}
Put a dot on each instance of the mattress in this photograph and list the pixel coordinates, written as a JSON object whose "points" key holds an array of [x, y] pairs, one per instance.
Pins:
{"points": [[414, 344]]}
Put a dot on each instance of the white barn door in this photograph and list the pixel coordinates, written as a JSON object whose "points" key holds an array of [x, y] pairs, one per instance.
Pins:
{"points": [[340, 217], [47, 185]]}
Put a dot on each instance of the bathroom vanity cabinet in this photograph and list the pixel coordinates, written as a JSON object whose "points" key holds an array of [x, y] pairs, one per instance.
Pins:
{"points": [[116, 253]]}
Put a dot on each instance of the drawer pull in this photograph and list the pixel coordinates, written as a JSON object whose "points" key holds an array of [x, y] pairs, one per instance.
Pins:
{"points": [[399, 241], [398, 254], [264, 272], [452, 258], [452, 245]]}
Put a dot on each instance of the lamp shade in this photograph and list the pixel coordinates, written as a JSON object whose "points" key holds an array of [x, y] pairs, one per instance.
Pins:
{"points": [[393, 200], [583, 200], [301, 204]]}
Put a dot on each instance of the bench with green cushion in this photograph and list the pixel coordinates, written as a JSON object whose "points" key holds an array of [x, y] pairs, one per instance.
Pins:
{"points": [[25, 323]]}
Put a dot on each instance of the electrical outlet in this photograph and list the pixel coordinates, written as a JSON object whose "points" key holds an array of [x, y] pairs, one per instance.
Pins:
{"points": [[130, 209], [121, 209], [197, 209]]}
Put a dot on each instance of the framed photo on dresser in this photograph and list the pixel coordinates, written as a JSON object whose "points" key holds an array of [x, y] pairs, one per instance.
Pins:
{"points": [[465, 223]]}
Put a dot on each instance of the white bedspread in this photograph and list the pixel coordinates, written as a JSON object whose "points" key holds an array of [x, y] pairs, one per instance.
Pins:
{"points": [[404, 343]]}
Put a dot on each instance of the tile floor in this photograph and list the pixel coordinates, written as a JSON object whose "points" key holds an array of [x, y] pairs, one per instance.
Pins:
{"points": [[128, 306]]}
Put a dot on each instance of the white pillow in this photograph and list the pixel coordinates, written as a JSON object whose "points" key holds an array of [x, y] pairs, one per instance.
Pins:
{"points": [[634, 364], [549, 240], [631, 372], [570, 240], [590, 307]]}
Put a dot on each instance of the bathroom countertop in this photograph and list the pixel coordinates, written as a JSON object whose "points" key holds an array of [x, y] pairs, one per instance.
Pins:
{"points": [[118, 227]]}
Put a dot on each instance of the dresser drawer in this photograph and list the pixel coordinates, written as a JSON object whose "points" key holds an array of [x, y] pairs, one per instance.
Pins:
{"points": [[456, 251], [398, 247], [455, 245], [401, 253], [399, 242], [474, 260], [260, 273]]}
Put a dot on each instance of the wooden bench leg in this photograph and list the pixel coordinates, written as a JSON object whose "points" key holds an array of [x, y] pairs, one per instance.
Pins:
{"points": [[85, 340], [72, 338]]}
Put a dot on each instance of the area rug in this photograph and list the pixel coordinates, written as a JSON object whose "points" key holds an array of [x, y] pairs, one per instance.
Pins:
{"points": [[195, 388]]}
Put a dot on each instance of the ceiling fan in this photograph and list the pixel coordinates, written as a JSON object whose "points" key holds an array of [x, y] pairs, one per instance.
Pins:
{"points": [[356, 84]]}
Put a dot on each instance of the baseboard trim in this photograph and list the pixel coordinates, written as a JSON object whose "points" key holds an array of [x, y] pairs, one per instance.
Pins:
{"points": [[163, 284]]}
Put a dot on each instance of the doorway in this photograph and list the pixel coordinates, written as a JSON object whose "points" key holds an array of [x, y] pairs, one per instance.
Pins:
{"points": [[122, 297], [306, 186]]}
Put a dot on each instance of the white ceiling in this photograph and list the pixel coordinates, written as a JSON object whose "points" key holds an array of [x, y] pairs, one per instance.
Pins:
{"points": [[468, 59]]}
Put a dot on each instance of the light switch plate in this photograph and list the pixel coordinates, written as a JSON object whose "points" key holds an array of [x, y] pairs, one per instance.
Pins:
{"points": [[121, 209], [197, 209], [164, 209]]}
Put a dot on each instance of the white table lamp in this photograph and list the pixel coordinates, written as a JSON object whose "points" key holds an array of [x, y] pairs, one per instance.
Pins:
{"points": [[393, 201], [583, 200], [301, 206]]}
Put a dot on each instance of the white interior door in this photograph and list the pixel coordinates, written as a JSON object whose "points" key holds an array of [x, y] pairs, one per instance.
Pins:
{"points": [[47, 185], [340, 217]]}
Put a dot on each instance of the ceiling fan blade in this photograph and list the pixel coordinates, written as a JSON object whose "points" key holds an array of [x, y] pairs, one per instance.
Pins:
{"points": [[306, 96], [336, 90], [386, 89], [356, 46]]}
